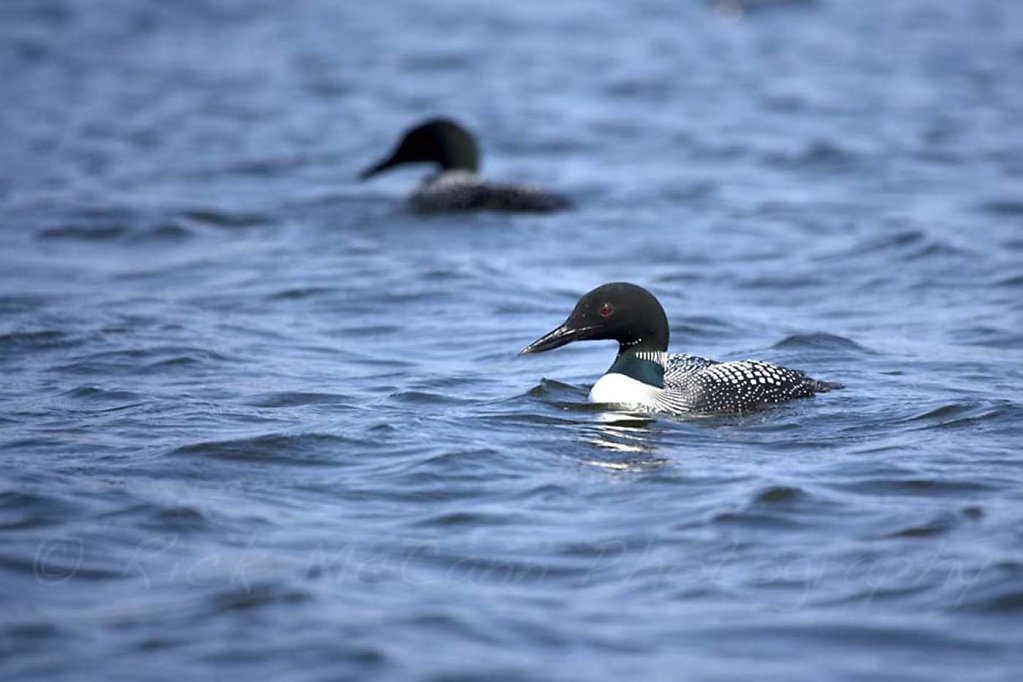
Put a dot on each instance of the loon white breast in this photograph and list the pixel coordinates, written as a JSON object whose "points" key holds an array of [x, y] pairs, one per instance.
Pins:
{"points": [[618, 389], [645, 376], [457, 186]]}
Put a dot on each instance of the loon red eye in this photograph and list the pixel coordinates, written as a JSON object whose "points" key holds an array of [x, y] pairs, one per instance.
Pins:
{"points": [[606, 310]]}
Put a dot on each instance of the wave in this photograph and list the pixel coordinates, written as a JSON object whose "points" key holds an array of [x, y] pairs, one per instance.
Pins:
{"points": [[818, 341], [310, 449]]}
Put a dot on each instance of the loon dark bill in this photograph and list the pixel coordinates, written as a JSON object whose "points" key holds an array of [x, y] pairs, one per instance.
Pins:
{"points": [[559, 337], [379, 167]]}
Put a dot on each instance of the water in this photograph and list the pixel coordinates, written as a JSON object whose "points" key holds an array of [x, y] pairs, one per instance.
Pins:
{"points": [[257, 418]]}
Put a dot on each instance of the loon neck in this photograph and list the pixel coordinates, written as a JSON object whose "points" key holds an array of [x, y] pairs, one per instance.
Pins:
{"points": [[459, 164], [454, 176], [641, 363]]}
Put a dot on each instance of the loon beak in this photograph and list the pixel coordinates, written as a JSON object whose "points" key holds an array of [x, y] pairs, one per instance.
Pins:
{"points": [[558, 338], [389, 162]]}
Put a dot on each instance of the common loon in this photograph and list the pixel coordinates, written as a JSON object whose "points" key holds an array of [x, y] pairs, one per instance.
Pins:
{"points": [[644, 374], [457, 185]]}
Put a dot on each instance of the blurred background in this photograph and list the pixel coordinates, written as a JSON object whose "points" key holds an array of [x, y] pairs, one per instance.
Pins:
{"points": [[257, 417]]}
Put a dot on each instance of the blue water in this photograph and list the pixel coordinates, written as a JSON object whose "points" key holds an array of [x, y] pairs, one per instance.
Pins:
{"points": [[257, 418]]}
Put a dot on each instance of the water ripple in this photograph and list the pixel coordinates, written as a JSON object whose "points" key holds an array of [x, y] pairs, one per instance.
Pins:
{"points": [[260, 419], [310, 449]]}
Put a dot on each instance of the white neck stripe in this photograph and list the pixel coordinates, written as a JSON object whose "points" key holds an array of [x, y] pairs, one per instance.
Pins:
{"points": [[658, 356]]}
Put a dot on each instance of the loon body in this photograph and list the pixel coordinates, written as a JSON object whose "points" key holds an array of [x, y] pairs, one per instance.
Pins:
{"points": [[457, 186], [644, 375]]}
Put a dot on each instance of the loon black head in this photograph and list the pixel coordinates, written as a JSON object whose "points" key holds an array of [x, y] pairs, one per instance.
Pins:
{"points": [[620, 312], [439, 140]]}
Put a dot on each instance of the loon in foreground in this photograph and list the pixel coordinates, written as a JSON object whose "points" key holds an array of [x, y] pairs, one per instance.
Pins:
{"points": [[644, 375], [457, 185]]}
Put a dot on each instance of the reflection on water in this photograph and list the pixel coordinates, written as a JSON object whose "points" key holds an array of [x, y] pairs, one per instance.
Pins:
{"points": [[623, 433]]}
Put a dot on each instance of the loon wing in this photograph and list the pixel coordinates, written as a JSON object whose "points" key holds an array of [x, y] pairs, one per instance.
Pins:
{"points": [[452, 191], [733, 386], [525, 198], [465, 192]]}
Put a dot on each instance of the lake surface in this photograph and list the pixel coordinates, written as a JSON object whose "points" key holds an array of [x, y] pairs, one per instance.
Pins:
{"points": [[257, 418]]}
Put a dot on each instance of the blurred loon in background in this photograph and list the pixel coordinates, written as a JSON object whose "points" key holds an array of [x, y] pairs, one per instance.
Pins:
{"points": [[457, 185], [644, 375]]}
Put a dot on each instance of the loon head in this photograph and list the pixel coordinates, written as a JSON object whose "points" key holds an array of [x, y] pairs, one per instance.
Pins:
{"points": [[619, 311], [439, 140]]}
